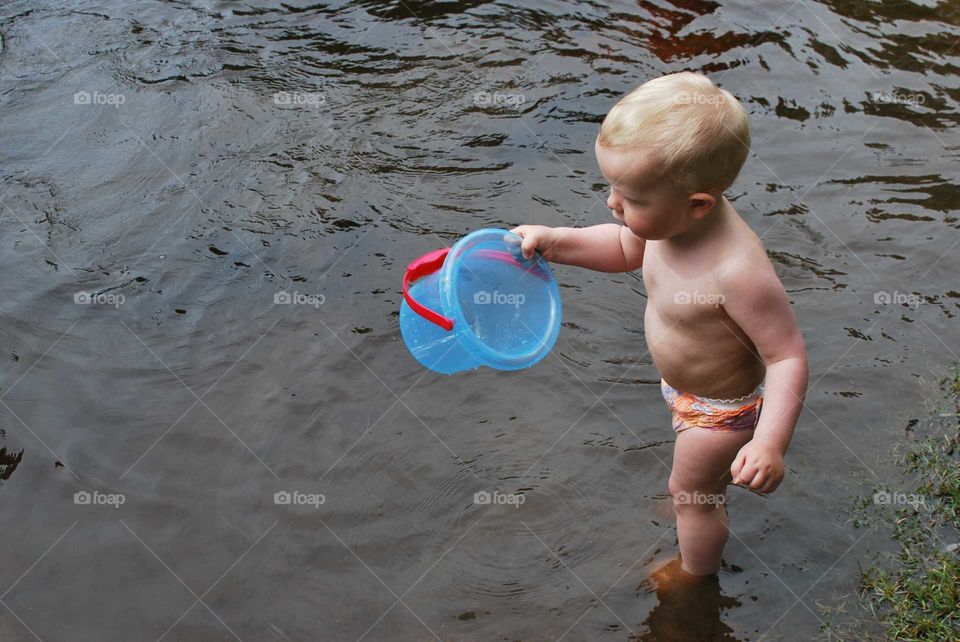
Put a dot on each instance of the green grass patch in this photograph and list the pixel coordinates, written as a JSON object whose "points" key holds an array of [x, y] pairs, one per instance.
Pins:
{"points": [[914, 593]]}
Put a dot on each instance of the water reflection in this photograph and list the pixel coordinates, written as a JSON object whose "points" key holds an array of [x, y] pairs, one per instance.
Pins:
{"points": [[687, 609], [201, 197]]}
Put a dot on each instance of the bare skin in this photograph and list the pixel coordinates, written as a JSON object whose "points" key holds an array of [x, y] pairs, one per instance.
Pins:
{"points": [[717, 322]]}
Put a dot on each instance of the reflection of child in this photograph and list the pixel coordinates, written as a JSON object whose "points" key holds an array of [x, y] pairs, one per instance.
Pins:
{"points": [[688, 610], [717, 322]]}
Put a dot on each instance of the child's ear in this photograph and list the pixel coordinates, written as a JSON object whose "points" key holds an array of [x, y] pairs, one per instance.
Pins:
{"points": [[701, 204]]}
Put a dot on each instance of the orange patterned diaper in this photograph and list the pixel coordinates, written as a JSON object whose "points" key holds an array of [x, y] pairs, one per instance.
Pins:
{"points": [[718, 415]]}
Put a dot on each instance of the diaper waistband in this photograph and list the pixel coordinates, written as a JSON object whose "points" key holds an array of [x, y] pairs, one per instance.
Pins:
{"points": [[730, 404]]}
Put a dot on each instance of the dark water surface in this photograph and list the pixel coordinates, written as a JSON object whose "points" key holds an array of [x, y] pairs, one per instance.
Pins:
{"points": [[181, 196]]}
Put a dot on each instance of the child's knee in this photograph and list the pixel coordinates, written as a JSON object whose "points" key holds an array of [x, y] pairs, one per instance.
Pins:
{"points": [[679, 483], [674, 485], [695, 497]]}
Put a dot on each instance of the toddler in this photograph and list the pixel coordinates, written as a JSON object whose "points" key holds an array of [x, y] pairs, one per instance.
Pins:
{"points": [[718, 323]]}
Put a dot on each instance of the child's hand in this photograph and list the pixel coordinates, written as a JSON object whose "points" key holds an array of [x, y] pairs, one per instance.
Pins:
{"points": [[759, 466], [536, 237]]}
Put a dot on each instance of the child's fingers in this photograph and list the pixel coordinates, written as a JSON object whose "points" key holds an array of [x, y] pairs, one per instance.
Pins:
{"points": [[513, 242], [528, 246], [773, 483], [758, 481], [516, 240], [737, 466], [747, 474]]}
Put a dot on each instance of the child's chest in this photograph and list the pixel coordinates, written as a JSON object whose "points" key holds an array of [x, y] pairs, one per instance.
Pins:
{"points": [[680, 293]]}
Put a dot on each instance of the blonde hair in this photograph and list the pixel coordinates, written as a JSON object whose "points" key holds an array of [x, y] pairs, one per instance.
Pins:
{"points": [[700, 132]]}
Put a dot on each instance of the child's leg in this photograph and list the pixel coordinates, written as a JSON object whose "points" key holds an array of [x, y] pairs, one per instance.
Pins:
{"points": [[701, 472]]}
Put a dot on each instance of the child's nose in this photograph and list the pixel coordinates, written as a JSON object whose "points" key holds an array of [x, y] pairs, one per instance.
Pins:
{"points": [[613, 202]]}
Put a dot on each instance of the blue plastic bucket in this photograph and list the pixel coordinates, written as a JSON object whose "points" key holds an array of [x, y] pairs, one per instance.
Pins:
{"points": [[479, 303]]}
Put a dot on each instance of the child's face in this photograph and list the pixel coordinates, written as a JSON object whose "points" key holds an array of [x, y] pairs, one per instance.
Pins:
{"points": [[651, 206]]}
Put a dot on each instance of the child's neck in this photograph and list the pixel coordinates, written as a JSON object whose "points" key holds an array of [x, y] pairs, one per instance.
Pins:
{"points": [[703, 228]]}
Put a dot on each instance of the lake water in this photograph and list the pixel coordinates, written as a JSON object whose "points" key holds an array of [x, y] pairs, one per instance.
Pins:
{"points": [[171, 169]]}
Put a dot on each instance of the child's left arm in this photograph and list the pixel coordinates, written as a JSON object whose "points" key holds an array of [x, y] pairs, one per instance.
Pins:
{"points": [[756, 301]]}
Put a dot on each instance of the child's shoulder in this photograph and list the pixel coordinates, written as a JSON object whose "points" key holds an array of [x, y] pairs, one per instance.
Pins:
{"points": [[744, 258]]}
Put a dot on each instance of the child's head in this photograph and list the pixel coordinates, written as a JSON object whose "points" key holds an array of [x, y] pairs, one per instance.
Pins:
{"points": [[673, 143]]}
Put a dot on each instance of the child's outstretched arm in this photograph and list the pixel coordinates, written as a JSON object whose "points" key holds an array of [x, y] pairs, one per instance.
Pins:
{"points": [[756, 301], [605, 248]]}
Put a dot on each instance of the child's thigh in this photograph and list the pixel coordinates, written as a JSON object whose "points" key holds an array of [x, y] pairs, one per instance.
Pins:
{"points": [[702, 458]]}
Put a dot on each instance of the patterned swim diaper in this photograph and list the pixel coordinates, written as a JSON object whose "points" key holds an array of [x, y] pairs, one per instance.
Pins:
{"points": [[718, 415]]}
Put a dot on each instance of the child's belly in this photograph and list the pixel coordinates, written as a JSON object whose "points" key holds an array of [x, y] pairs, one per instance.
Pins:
{"points": [[700, 350]]}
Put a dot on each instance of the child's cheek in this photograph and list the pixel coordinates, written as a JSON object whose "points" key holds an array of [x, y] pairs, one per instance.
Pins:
{"points": [[637, 222], [646, 224]]}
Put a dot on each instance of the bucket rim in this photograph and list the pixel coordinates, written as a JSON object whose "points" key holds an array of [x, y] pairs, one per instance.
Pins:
{"points": [[486, 354]]}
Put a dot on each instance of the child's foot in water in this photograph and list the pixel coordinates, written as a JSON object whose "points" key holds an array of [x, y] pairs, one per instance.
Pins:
{"points": [[689, 606], [672, 576]]}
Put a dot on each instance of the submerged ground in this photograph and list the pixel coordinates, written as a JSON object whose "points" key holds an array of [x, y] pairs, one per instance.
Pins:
{"points": [[170, 168]]}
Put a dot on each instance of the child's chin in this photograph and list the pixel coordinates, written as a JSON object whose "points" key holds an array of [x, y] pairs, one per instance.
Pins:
{"points": [[638, 230], [650, 234], [648, 229]]}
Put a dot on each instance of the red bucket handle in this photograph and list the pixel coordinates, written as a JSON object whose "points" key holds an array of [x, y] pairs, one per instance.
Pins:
{"points": [[422, 266]]}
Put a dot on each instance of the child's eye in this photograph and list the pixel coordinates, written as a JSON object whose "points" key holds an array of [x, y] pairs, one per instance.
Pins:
{"points": [[627, 198]]}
